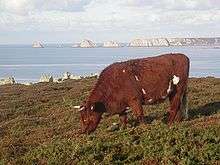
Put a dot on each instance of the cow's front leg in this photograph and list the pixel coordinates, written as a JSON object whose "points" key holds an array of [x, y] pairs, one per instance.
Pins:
{"points": [[137, 109], [123, 119]]}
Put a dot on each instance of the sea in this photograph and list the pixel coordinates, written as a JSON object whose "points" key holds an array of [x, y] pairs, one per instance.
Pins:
{"points": [[27, 64]]}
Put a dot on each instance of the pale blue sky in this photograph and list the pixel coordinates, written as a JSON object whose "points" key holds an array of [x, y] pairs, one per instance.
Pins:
{"points": [[58, 21]]}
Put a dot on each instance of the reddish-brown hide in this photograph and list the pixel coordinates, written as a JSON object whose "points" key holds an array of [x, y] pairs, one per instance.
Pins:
{"points": [[135, 83]]}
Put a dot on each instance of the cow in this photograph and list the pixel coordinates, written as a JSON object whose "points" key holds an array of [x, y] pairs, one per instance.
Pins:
{"points": [[137, 82]]}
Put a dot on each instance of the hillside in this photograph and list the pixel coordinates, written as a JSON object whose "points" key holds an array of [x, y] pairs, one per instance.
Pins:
{"points": [[38, 125]]}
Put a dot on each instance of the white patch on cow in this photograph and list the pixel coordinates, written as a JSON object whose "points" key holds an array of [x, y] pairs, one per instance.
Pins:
{"points": [[123, 71], [150, 100], [127, 108], [169, 88], [176, 80], [136, 77], [92, 107], [144, 92]]}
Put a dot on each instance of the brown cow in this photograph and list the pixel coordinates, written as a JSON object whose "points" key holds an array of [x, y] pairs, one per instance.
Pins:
{"points": [[138, 82]]}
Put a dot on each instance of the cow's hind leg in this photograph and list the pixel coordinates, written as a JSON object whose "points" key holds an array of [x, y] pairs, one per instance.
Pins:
{"points": [[175, 105], [137, 109], [185, 106]]}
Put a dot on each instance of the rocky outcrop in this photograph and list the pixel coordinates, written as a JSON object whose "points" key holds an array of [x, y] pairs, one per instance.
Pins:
{"points": [[37, 44], [149, 42], [68, 75], [153, 42], [46, 78], [87, 44], [111, 44], [9, 80]]}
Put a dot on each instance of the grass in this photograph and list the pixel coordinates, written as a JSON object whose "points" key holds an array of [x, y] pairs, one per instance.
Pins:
{"points": [[38, 125]]}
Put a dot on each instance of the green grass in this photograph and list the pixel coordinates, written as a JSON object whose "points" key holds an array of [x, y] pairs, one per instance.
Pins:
{"points": [[38, 125]]}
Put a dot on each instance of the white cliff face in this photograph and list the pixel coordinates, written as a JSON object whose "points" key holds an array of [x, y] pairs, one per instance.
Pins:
{"points": [[149, 42], [175, 42], [8, 80], [37, 44], [111, 44], [87, 44], [46, 78]]}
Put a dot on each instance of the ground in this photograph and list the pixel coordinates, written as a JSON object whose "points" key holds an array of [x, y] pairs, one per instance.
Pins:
{"points": [[38, 125]]}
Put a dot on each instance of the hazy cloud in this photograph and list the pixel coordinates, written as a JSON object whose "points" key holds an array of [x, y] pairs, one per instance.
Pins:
{"points": [[112, 19]]}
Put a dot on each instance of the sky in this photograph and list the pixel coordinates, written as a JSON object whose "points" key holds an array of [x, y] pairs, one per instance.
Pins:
{"points": [[70, 21]]}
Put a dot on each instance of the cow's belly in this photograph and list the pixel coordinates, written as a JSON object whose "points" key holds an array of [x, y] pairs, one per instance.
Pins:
{"points": [[155, 90]]}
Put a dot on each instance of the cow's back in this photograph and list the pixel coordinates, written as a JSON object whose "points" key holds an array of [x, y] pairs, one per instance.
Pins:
{"points": [[146, 77]]}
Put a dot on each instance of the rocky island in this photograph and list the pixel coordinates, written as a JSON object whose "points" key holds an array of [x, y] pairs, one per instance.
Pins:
{"points": [[37, 44], [87, 44]]}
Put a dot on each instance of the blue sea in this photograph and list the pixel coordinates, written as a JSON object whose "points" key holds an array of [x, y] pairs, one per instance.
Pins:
{"points": [[27, 64]]}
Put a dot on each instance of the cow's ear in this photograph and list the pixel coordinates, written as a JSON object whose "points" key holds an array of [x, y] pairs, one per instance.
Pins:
{"points": [[98, 107]]}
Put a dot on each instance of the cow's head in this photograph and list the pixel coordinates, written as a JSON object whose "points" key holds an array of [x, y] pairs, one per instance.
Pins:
{"points": [[90, 115]]}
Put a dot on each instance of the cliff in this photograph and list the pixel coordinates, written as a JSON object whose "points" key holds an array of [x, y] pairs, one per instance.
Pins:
{"points": [[153, 42], [149, 42]]}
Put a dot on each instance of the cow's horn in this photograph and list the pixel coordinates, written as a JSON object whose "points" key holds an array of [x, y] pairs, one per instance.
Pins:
{"points": [[81, 109], [76, 107]]}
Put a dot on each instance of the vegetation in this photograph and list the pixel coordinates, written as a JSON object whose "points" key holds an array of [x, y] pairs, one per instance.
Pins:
{"points": [[38, 125]]}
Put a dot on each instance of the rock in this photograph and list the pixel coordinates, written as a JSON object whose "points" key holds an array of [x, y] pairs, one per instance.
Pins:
{"points": [[113, 127], [111, 44], [46, 78], [66, 76], [74, 77], [58, 80], [9, 80], [28, 83], [37, 44], [149, 42], [87, 44]]}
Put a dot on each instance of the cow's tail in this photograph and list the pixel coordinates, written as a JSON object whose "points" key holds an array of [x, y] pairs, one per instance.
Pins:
{"points": [[184, 106]]}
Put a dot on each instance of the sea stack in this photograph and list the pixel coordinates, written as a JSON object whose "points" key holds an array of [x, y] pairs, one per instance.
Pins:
{"points": [[111, 44], [8, 80], [37, 44], [87, 44], [151, 42]]}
